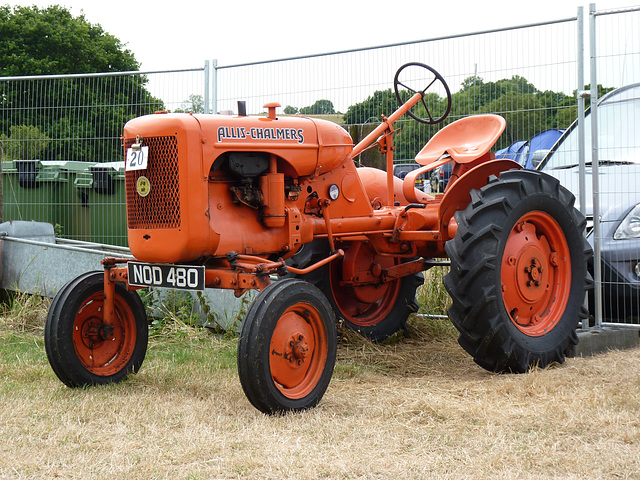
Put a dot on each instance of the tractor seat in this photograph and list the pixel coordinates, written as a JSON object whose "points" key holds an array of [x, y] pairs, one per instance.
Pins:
{"points": [[464, 140]]}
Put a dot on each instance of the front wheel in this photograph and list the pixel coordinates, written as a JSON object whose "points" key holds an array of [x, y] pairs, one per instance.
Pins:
{"points": [[518, 272], [287, 347], [81, 348]]}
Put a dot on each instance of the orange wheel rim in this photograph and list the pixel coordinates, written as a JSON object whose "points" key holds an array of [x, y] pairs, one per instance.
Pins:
{"points": [[363, 305], [298, 351], [535, 274], [103, 350]]}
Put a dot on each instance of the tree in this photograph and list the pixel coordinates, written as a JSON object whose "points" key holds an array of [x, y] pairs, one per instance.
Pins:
{"points": [[289, 110], [528, 111], [382, 102], [195, 104], [321, 107], [51, 41], [24, 142]]}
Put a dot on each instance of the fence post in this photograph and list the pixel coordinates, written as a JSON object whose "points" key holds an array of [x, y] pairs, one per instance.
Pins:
{"points": [[597, 267], [214, 86], [206, 87], [581, 94]]}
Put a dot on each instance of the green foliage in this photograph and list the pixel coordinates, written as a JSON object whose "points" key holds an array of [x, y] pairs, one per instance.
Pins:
{"points": [[382, 102], [527, 110], [321, 107], [51, 41], [23, 142], [22, 312], [289, 110], [169, 311], [195, 104]]}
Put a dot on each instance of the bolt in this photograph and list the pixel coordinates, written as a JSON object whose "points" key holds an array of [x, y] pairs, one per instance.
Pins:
{"points": [[376, 269], [511, 260]]}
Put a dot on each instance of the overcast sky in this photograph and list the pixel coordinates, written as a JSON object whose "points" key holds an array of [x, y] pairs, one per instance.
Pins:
{"points": [[172, 35]]}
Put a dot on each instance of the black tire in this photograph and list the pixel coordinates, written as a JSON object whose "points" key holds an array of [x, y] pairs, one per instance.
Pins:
{"points": [[515, 304], [377, 320], [79, 350], [287, 347]]}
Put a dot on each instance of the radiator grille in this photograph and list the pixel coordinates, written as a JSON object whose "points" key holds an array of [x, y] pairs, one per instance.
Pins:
{"points": [[161, 207]]}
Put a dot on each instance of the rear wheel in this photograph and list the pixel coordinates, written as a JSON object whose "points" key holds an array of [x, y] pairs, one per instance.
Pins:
{"points": [[287, 347], [518, 272], [81, 348], [376, 310]]}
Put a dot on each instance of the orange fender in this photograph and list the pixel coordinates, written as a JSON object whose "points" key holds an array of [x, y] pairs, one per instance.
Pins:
{"points": [[458, 195]]}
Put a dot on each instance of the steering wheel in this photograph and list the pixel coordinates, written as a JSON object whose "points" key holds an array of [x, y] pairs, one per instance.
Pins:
{"points": [[432, 77]]}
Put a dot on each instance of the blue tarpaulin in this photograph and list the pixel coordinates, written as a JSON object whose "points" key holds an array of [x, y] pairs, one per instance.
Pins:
{"points": [[522, 151]]}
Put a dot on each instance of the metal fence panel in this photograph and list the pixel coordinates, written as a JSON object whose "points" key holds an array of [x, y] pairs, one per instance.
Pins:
{"points": [[615, 60], [58, 128], [62, 125], [543, 55]]}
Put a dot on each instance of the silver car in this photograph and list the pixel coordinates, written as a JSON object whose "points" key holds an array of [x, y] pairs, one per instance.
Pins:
{"points": [[619, 187]]}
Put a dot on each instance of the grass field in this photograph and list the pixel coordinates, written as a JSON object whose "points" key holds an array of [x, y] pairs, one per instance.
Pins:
{"points": [[417, 407]]}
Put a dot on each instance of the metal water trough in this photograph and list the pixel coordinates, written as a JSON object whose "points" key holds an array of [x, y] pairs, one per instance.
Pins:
{"points": [[33, 260]]}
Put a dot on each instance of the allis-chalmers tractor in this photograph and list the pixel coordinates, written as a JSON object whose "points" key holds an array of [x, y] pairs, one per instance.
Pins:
{"points": [[236, 201]]}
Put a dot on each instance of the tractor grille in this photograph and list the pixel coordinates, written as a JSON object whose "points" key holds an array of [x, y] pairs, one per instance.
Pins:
{"points": [[161, 207]]}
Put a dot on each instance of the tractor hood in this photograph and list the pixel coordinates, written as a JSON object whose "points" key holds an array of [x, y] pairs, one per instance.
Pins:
{"points": [[308, 146]]}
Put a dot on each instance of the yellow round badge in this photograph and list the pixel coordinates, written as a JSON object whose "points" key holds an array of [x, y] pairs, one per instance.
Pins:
{"points": [[143, 186]]}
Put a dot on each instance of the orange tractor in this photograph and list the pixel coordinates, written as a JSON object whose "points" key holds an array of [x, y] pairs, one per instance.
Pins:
{"points": [[235, 201]]}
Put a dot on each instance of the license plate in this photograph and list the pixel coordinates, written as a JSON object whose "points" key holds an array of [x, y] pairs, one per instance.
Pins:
{"points": [[182, 277]]}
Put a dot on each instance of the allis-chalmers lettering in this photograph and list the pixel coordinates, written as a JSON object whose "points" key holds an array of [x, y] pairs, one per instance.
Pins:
{"points": [[255, 133]]}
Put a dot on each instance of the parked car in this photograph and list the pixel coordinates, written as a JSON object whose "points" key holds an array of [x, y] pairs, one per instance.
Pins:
{"points": [[400, 170], [439, 177], [619, 187]]}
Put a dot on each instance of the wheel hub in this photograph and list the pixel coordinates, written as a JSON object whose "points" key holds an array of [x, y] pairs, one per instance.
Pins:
{"points": [[531, 274], [534, 274], [298, 349], [292, 348], [94, 332]]}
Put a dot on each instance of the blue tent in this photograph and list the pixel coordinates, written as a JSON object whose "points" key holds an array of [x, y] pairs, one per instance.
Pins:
{"points": [[541, 141], [511, 151]]}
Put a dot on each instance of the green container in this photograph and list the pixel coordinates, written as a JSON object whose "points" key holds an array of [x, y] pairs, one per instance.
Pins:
{"points": [[44, 191], [105, 185], [28, 191], [74, 214]]}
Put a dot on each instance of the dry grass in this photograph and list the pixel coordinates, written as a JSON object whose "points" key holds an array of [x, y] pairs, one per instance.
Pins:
{"points": [[415, 408]]}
